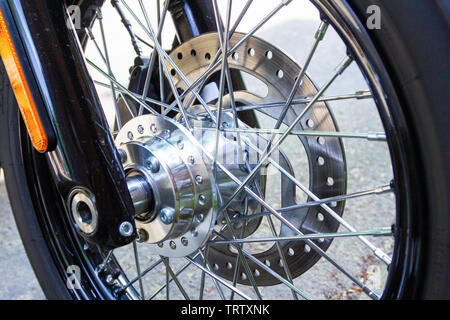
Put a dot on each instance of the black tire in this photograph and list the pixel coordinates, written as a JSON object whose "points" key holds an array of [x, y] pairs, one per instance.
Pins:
{"points": [[413, 46]]}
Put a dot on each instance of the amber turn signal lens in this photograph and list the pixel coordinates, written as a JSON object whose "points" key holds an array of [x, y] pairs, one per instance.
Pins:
{"points": [[21, 89]]}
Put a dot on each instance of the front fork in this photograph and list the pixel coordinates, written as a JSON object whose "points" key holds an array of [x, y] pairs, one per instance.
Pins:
{"points": [[85, 163]]}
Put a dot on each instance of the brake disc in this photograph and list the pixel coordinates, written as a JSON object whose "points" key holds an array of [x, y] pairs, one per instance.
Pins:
{"points": [[326, 159]]}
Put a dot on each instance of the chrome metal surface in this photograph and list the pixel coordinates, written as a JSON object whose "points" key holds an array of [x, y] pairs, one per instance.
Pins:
{"points": [[84, 212], [278, 72]]}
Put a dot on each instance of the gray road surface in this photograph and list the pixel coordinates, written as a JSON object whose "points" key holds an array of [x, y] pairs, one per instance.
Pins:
{"points": [[368, 168]]}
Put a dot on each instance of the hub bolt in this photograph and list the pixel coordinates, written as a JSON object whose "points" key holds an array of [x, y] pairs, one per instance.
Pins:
{"points": [[153, 164], [167, 215], [126, 229]]}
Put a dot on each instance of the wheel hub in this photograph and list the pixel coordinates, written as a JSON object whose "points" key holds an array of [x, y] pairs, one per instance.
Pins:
{"points": [[175, 223], [172, 184]]}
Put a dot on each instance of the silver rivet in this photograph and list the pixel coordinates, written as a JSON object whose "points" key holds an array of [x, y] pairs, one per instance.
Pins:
{"points": [[153, 128], [126, 229], [184, 241], [161, 244], [198, 179], [140, 129], [202, 200], [167, 215], [130, 135], [167, 133], [191, 160], [180, 144], [172, 245]]}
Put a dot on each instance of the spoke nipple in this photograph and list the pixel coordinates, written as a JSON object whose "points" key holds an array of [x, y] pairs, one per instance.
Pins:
{"points": [[167, 215], [110, 279], [392, 184]]}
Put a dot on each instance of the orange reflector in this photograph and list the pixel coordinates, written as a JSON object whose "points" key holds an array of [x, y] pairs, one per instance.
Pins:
{"points": [[21, 90]]}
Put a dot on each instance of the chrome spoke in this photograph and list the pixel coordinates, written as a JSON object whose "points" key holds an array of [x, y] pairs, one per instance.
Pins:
{"points": [[108, 65], [167, 282], [91, 36], [223, 36], [341, 68], [216, 61], [124, 89], [143, 273], [207, 266], [149, 100], [322, 253], [267, 269], [138, 269], [318, 37], [371, 136], [212, 275], [240, 194], [161, 20], [310, 236], [175, 278], [162, 55], [357, 95], [378, 252]]}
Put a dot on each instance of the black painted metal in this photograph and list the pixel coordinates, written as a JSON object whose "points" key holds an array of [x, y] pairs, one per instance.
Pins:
{"points": [[85, 156]]}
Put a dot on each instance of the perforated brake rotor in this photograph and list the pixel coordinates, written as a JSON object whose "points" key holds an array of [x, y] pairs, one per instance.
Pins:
{"points": [[325, 155]]}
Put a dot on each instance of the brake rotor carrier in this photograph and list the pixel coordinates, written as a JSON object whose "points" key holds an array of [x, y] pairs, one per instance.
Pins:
{"points": [[326, 157], [181, 161]]}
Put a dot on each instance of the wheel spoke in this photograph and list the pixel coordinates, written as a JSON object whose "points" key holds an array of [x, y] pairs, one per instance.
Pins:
{"points": [[175, 278], [341, 68], [378, 252], [108, 65], [310, 236], [226, 284], [357, 95], [138, 269], [161, 20], [267, 269], [371, 136], [162, 55]]}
